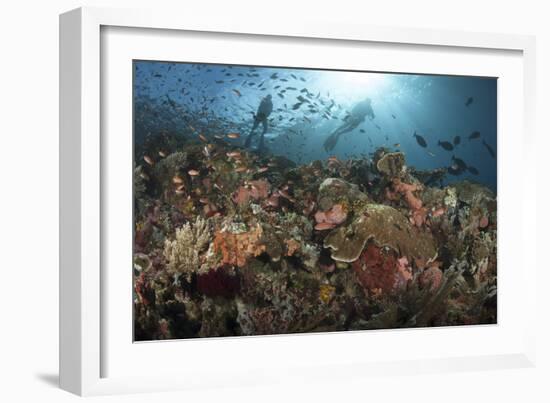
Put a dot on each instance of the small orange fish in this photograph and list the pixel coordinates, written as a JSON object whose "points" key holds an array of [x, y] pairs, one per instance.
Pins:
{"points": [[333, 158], [193, 172], [217, 136], [241, 169], [144, 176], [285, 194], [233, 154], [263, 169], [271, 164], [323, 226], [204, 200], [438, 212], [178, 180], [148, 160], [201, 136], [180, 191], [162, 154], [181, 187], [233, 135]]}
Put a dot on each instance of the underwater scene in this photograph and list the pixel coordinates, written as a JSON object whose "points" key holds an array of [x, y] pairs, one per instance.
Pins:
{"points": [[275, 200]]}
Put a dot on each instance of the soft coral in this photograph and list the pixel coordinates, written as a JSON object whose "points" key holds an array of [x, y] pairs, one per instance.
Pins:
{"points": [[418, 213]]}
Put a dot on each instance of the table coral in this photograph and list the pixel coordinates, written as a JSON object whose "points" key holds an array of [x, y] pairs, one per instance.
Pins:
{"points": [[386, 226]]}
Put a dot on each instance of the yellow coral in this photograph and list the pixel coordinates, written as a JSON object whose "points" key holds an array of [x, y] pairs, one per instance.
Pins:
{"points": [[326, 292]]}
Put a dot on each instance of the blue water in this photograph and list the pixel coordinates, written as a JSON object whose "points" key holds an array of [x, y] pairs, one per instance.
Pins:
{"points": [[187, 98]]}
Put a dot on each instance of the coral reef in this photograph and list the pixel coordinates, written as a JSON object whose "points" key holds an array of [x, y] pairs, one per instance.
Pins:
{"points": [[228, 242]]}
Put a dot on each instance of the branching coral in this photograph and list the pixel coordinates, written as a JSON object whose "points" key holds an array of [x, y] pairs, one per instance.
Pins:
{"points": [[184, 252]]}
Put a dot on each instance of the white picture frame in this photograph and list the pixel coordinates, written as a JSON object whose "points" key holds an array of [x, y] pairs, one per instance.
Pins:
{"points": [[83, 294]]}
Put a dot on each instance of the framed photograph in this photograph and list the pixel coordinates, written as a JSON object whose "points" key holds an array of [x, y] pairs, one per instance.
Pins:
{"points": [[243, 203]]}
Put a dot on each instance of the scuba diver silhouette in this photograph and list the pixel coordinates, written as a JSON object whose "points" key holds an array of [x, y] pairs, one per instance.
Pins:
{"points": [[264, 110], [357, 116]]}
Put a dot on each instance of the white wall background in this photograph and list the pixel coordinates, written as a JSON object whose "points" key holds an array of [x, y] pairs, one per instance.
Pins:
{"points": [[29, 201]]}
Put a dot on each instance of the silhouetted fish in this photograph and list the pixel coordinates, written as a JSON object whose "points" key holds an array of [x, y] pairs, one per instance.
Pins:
{"points": [[445, 145], [459, 162], [456, 140], [490, 149], [469, 101], [420, 140], [454, 170], [474, 135], [473, 170]]}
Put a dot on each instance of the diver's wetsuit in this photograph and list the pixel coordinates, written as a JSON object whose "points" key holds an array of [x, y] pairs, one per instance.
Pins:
{"points": [[358, 114], [264, 110]]}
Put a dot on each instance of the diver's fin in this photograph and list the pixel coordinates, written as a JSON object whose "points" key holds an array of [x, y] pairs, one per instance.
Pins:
{"points": [[330, 142]]}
